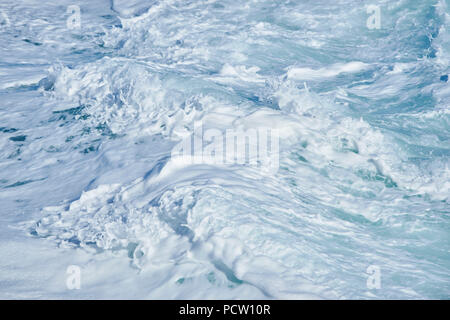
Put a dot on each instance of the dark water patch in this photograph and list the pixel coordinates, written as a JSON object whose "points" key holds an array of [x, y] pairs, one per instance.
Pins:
{"points": [[80, 51], [372, 176], [85, 131], [131, 249], [227, 271], [32, 42], [72, 111], [19, 183], [74, 240], [431, 53], [112, 20], [18, 138], [297, 156], [301, 158], [21, 88], [357, 219], [7, 130], [108, 16], [90, 148], [67, 115], [218, 6], [47, 83], [444, 78], [105, 130], [346, 145], [156, 168]]}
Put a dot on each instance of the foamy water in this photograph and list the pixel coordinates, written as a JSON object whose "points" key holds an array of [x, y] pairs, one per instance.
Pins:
{"points": [[90, 115]]}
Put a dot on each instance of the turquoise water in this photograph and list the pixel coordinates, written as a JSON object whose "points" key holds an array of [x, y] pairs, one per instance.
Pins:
{"points": [[89, 116]]}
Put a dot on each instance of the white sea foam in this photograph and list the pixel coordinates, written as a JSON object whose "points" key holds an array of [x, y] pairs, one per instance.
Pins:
{"points": [[91, 117], [326, 72]]}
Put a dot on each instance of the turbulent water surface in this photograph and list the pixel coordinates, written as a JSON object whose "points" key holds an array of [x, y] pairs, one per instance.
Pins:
{"points": [[89, 115]]}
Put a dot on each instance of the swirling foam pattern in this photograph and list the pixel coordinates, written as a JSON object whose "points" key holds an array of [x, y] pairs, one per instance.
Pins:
{"points": [[89, 117]]}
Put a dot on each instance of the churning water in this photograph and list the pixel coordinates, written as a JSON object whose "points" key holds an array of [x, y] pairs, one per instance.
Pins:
{"points": [[94, 96]]}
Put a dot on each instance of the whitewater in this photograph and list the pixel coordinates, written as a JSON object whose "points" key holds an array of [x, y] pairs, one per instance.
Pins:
{"points": [[95, 96]]}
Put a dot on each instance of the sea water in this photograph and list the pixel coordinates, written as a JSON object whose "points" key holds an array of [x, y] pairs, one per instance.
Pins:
{"points": [[94, 97]]}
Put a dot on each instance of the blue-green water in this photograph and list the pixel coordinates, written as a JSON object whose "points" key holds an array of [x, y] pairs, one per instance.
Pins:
{"points": [[89, 115]]}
